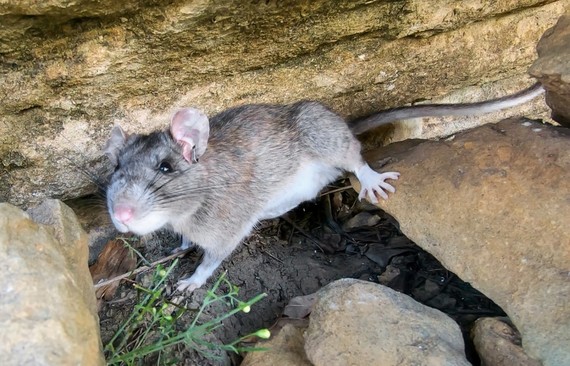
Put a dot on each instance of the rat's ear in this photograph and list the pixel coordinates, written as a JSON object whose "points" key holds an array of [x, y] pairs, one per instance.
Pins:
{"points": [[115, 143], [190, 128]]}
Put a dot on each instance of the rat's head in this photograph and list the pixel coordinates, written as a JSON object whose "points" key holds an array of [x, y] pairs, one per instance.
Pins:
{"points": [[153, 173]]}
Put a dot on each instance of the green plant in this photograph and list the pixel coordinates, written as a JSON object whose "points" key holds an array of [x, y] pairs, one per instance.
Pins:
{"points": [[153, 326], [128, 243]]}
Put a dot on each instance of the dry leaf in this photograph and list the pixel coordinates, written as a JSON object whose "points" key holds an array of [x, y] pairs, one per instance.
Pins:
{"points": [[114, 260]]}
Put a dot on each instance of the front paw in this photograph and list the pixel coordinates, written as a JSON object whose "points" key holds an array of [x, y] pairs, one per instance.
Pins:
{"points": [[188, 285]]}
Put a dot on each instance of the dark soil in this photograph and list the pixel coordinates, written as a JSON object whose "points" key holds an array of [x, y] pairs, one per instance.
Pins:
{"points": [[304, 251]]}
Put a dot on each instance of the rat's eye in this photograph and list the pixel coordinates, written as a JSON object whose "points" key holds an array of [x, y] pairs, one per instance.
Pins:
{"points": [[165, 167]]}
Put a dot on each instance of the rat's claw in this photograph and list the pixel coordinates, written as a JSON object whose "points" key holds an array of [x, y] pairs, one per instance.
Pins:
{"points": [[386, 186], [362, 194]]}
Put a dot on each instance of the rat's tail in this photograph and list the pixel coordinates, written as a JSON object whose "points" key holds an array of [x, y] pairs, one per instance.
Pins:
{"points": [[440, 110]]}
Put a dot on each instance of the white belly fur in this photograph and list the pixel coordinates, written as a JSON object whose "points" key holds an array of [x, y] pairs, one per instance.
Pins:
{"points": [[304, 185]]}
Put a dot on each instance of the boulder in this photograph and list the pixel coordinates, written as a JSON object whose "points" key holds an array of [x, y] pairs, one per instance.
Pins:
{"points": [[493, 206], [284, 349], [553, 69], [72, 69], [47, 305], [355, 322], [498, 344], [361, 323]]}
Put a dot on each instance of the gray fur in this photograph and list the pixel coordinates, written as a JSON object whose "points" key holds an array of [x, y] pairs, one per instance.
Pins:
{"points": [[251, 151]]}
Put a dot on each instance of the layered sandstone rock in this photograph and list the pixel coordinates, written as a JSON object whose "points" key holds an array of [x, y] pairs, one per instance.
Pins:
{"points": [[70, 70]]}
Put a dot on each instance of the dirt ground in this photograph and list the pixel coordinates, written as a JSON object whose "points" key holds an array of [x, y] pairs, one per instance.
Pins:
{"points": [[319, 242]]}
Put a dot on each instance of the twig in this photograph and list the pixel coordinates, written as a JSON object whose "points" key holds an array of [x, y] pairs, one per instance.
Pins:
{"points": [[271, 256], [341, 189], [303, 232], [265, 252], [143, 268]]}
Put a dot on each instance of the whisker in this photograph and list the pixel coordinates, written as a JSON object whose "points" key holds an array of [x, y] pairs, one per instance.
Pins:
{"points": [[185, 192], [162, 185], [94, 178], [156, 176], [101, 184], [151, 183]]}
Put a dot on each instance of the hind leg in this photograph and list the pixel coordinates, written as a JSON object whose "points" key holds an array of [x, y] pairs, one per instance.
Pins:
{"points": [[333, 144], [372, 183]]}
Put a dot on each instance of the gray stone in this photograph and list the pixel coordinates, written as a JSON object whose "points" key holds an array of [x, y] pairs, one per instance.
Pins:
{"points": [[47, 302], [283, 349], [361, 323], [361, 219], [498, 344], [493, 206], [73, 243], [553, 69]]}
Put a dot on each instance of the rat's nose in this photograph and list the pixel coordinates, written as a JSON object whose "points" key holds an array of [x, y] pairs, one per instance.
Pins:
{"points": [[123, 213]]}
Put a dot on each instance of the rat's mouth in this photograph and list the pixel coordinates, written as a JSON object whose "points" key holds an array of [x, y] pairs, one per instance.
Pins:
{"points": [[147, 224], [121, 227]]}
